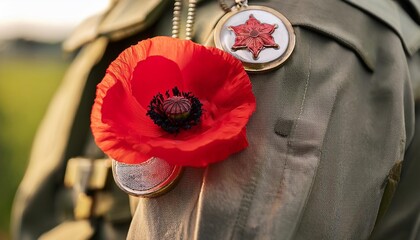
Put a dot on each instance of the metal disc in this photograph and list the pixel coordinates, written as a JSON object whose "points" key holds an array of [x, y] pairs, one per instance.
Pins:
{"points": [[148, 179], [269, 57]]}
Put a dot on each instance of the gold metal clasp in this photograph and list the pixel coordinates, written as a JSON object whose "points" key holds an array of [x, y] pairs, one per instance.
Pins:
{"points": [[85, 175]]}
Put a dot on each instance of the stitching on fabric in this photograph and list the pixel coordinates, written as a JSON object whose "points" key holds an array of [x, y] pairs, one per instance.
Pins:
{"points": [[198, 203], [340, 40], [320, 158], [246, 202], [245, 205], [244, 208], [295, 125], [304, 93]]}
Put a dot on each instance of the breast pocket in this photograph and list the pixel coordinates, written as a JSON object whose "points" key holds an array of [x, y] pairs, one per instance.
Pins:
{"points": [[318, 136]]}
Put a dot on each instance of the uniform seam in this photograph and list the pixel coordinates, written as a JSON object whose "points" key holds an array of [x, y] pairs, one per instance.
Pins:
{"points": [[296, 124], [244, 207]]}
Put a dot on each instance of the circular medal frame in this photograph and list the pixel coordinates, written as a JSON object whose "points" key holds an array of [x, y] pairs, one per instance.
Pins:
{"points": [[257, 66], [158, 189]]}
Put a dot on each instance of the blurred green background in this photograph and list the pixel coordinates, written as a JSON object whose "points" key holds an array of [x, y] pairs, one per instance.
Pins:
{"points": [[29, 74], [31, 68]]}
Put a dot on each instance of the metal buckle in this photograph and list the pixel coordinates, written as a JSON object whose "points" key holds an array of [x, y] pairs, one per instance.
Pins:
{"points": [[85, 175]]}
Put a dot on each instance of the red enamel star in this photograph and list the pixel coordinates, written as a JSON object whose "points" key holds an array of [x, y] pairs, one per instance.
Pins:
{"points": [[254, 35]]}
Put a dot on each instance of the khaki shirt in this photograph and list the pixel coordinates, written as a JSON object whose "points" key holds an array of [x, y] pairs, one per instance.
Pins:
{"points": [[328, 136]]}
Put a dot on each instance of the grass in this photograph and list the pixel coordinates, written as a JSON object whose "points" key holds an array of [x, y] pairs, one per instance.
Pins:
{"points": [[26, 86]]}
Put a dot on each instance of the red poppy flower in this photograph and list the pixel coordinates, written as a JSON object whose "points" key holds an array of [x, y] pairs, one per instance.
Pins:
{"points": [[207, 82]]}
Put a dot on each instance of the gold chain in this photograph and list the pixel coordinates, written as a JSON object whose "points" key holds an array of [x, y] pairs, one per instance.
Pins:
{"points": [[238, 4], [189, 27], [224, 6], [176, 18]]}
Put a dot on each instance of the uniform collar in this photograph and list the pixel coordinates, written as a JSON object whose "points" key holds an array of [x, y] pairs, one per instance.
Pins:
{"points": [[394, 16], [126, 17]]}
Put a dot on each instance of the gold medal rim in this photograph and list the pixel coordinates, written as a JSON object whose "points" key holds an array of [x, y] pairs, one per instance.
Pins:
{"points": [[259, 67], [158, 190]]}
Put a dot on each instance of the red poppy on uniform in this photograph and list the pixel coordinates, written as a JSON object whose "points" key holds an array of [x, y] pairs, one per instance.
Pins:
{"points": [[172, 99]]}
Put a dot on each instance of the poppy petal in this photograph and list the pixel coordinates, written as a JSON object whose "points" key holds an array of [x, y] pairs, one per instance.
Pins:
{"points": [[123, 130], [153, 75]]}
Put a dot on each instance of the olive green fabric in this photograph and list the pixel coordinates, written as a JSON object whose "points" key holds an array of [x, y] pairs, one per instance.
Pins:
{"points": [[389, 192], [394, 16], [402, 220], [329, 127], [414, 6], [70, 231], [123, 19], [34, 208], [42, 202]]}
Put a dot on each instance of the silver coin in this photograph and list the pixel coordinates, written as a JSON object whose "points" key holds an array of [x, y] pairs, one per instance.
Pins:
{"points": [[148, 179]]}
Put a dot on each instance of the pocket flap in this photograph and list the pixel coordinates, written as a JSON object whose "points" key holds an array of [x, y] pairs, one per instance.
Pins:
{"points": [[393, 15], [352, 27]]}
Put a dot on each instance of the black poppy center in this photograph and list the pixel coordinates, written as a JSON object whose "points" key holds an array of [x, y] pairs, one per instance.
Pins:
{"points": [[176, 111]]}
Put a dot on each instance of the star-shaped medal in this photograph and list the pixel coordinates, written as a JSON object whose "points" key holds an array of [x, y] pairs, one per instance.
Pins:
{"points": [[259, 36], [254, 36]]}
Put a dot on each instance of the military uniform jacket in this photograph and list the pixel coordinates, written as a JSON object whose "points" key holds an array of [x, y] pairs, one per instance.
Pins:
{"points": [[326, 141]]}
